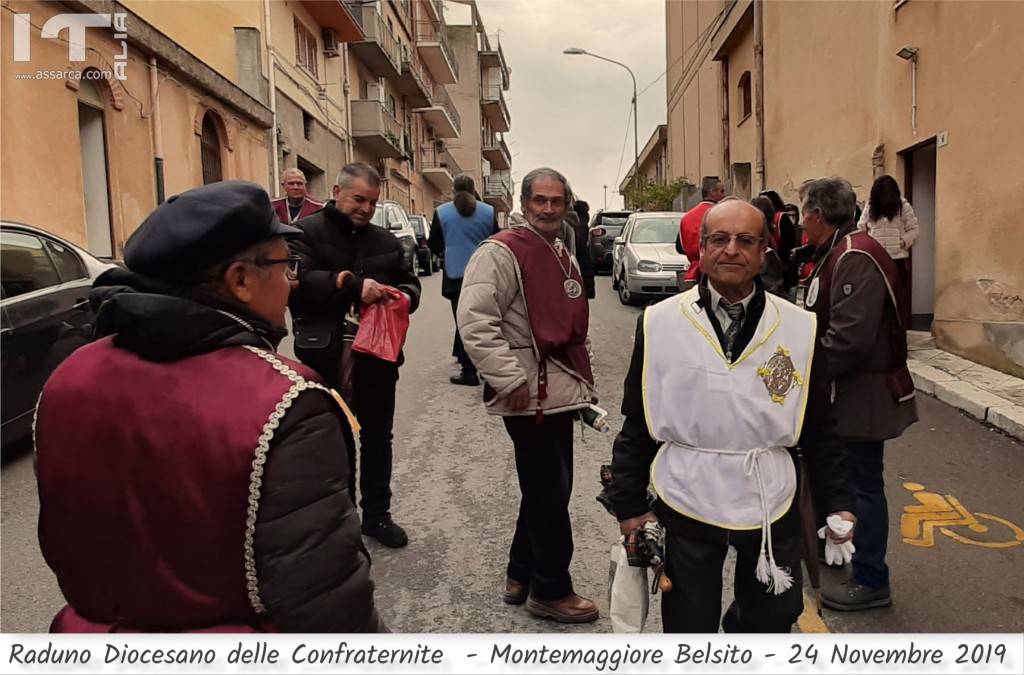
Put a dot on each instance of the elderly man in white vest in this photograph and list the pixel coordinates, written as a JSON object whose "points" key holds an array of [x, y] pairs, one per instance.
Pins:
{"points": [[713, 400]]}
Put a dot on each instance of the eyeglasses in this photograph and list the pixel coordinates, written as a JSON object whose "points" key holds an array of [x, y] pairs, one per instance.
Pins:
{"points": [[292, 271], [722, 239]]}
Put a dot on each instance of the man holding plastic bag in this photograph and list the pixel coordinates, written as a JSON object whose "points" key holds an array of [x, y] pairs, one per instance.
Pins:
{"points": [[351, 311], [714, 398]]}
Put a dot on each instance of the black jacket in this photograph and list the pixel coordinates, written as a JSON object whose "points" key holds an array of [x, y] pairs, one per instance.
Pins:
{"points": [[313, 569], [634, 449], [331, 244]]}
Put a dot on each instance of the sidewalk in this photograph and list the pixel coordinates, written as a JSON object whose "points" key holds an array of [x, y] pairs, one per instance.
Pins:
{"points": [[989, 395]]}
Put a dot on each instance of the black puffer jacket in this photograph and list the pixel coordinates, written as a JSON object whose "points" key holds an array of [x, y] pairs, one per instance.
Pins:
{"points": [[313, 569]]}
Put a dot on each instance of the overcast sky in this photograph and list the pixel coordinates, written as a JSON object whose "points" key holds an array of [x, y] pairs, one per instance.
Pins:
{"points": [[570, 112]]}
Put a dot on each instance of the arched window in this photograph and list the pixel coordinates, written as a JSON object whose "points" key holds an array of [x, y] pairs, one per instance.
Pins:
{"points": [[744, 94], [95, 183], [210, 144]]}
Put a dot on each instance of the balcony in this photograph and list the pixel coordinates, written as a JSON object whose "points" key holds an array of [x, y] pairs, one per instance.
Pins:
{"points": [[337, 16], [441, 114], [493, 56], [435, 7], [438, 167], [435, 52], [379, 51], [498, 192], [415, 83], [496, 152], [494, 107], [376, 130]]}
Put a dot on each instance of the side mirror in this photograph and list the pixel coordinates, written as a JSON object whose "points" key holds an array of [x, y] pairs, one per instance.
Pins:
{"points": [[618, 241]]}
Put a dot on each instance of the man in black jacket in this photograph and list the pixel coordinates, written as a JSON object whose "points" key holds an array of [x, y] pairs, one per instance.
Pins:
{"points": [[345, 261]]}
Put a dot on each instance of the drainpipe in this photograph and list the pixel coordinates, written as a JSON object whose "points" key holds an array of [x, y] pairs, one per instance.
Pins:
{"points": [[726, 163], [271, 67], [347, 88], [759, 89], [158, 140]]}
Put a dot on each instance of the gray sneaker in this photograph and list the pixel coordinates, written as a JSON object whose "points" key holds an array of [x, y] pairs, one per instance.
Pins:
{"points": [[850, 596]]}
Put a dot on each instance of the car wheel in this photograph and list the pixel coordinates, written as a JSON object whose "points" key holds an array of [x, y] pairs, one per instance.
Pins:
{"points": [[625, 297]]}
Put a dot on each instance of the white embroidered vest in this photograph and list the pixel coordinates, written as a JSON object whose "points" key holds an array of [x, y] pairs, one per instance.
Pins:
{"points": [[724, 427]]}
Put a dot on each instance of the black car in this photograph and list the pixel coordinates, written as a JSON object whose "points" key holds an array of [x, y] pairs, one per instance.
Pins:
{"points": [[604, 228], [45, 316], [421, 226]]}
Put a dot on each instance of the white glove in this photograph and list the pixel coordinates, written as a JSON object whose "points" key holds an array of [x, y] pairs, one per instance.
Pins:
{"points": [[837, 554]]}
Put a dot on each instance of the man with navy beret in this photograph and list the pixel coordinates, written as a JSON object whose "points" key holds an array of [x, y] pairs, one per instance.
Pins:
{"points": [[190, 478]]}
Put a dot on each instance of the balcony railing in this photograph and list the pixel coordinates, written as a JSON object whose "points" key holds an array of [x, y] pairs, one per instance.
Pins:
{"points": [[415, 82], [497, 187], [430, 33], [496, 151], [380, 42], [432, 158], [442, 99], [495, 107], [374, 127]]}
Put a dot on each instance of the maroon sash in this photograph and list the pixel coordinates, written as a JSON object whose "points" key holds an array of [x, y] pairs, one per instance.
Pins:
{"points": [[559, 323]]}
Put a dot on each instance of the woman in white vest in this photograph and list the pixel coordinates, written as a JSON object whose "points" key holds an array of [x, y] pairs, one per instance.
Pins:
{"points": [[714, 399]]}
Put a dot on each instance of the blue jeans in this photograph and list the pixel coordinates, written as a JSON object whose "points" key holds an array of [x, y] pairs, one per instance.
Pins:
{"points": [[871, 535]]}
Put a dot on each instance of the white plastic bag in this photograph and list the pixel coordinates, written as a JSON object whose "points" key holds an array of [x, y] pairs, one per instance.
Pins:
{"points": [[628, 596]]}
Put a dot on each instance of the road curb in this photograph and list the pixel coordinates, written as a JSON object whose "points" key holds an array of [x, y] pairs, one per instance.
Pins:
{"points": [[948, 387]]}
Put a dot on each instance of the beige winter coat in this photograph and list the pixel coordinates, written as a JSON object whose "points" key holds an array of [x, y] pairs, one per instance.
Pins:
{"points": [[496, 333], [897, 235]]}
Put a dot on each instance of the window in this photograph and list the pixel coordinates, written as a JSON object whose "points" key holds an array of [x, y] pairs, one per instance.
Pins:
{"points": [[210, 144], [24, 264], [69, 266], [744, 94], [307, 126], [305, 49], [92, 139], [392, 108]]}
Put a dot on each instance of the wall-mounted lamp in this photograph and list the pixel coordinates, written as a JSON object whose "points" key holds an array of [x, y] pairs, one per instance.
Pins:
{"points": [[908, 53]]}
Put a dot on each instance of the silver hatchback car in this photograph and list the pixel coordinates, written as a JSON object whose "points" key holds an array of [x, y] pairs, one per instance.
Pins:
{"points": [[645, 259]]}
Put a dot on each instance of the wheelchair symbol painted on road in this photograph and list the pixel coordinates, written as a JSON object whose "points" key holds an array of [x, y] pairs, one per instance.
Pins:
{"points": [[944, 512]]}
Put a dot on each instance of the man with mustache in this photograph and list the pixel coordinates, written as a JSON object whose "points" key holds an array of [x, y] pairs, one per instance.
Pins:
{"points": [[523, 318], [714, 399]]}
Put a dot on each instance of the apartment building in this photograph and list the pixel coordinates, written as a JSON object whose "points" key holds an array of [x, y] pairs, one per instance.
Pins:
{"points": [[653, 159], [768, 94], [94, 139], [479, 97]]}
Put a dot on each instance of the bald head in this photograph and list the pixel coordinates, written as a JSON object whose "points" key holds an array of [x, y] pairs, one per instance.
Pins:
{"points": [[732, 247]]}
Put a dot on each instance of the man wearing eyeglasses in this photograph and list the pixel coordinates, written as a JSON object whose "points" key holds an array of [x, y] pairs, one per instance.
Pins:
{"points": [[714, 397], [190, 478], [346, 262]]}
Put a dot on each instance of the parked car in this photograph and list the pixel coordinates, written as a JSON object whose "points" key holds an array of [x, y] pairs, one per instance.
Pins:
{"points": [[391, 216], [44, 316], [426, 260], [647, 263], [604, 228]]}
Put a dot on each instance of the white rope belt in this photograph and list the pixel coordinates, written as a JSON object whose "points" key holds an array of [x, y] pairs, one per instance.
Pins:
{"points": [[777, 579]]}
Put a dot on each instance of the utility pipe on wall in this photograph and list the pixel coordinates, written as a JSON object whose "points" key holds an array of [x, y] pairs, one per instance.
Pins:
{"points": [[759, 90], [272, 95], [154, 121]]}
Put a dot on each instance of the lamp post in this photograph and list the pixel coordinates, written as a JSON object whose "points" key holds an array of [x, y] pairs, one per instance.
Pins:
{"points": [[636, 147], [605, 197]]}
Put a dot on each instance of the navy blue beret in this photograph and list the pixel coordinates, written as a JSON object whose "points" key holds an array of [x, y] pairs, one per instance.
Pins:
{"points": [[201, 227]]}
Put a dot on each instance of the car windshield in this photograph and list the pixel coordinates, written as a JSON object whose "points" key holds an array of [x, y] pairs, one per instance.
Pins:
{"points": [[612, 221], [417, 225], [655, 231], [378, 217]]}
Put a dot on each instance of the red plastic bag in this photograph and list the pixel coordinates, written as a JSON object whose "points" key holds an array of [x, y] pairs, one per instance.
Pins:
{"points": [[383, 326]]}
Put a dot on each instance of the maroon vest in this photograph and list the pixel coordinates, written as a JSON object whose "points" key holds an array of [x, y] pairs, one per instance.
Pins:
{"points": [[149, 479], [558, 323]]}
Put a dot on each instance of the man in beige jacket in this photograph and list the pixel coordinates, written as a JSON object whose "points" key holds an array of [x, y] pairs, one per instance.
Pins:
{"points": [[523, 318]]}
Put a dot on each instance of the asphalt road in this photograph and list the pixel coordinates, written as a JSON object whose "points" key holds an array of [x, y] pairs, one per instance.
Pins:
{"points": [[456, 493]]}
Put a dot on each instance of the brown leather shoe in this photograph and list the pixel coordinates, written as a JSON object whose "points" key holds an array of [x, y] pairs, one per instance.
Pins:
{"points": [[515, 592], [570, 609]]}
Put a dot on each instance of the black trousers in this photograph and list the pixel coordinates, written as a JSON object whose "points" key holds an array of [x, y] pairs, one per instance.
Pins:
{"points": [[458, 351], [542, 545], [373, 383], [695, 553]]}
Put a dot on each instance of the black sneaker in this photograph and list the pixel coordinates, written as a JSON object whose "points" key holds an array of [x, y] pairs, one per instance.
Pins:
{"points": [[387, 532], [851, 596], [468, 378]]}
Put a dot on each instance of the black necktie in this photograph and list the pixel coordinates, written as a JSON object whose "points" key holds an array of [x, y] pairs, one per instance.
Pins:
{"points": [[735, 313]]}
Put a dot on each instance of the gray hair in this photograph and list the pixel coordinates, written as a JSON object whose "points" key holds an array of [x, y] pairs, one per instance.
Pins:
{"points": [[350, 172], [293, 171], [832, 197], [765, 233], [708, 185], [544, 172]]}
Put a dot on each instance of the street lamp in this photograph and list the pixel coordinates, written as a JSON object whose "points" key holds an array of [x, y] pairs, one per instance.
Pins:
{"points": [[573, 51], [909, 53]]}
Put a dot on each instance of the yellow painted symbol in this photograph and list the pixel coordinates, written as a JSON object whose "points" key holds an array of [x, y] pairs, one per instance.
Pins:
{"points": [[934, 511]]}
